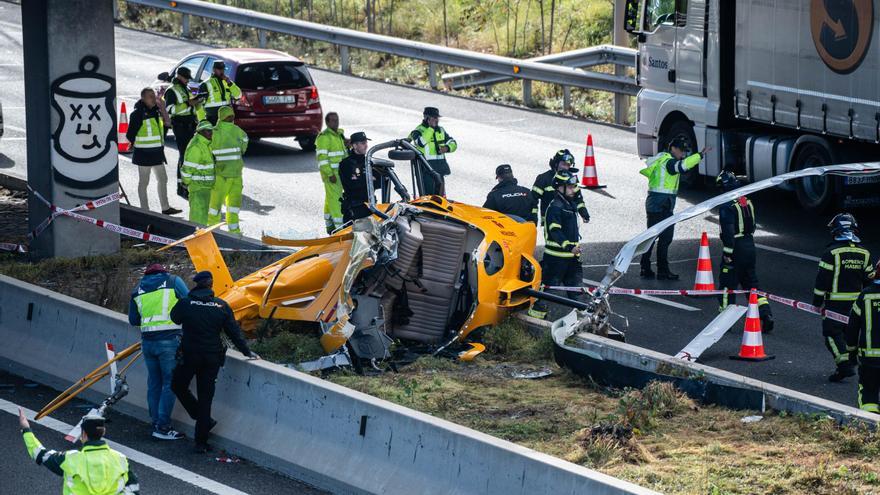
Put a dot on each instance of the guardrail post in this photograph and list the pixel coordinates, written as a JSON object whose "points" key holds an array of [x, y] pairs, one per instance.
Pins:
{"points": [[527, 92], [566, 99], [261, 36], [115, 11], [184, 32], [344, 60], [432, 75]]}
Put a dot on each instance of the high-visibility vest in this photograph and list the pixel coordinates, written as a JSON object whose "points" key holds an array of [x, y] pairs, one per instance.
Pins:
{"points": [[94, 470], [182, 94], [220, 92], [659, 179], [428, 140], [228, 144], [151, 134], [197, 171], [331, 150], [155, 307]]}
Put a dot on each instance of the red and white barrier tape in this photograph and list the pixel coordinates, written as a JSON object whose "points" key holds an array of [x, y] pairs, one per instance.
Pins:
{"points": [[57, 212], [792, 303]]}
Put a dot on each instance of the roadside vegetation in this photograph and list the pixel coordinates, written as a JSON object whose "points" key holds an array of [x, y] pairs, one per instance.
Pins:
{"points": [[655, 437], [516, 28]]}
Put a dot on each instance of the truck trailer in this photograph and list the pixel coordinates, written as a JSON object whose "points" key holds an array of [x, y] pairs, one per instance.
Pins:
{"points": [[770, 85]]}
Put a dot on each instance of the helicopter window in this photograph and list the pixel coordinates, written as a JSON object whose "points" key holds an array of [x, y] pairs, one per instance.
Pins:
{"points": [[493, 262]]}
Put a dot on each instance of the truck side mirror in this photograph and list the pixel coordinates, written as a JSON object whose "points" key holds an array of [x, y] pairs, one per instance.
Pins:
{"points": [[633, 13]]}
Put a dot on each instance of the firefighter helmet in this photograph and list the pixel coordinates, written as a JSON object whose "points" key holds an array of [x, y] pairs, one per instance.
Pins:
{"points": [[727, 180], [564, 178], [843, 224], [563, 156]]}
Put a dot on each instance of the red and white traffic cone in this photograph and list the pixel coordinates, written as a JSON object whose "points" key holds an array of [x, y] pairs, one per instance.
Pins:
{"points": [[122, 142], [704, 279], [752, 348], [590, 179]]}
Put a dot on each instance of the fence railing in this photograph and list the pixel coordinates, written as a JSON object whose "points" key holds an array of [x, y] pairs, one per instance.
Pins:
{"points": [[526, 70]]}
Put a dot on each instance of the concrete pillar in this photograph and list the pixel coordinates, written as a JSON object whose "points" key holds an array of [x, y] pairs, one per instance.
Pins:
{"points": [[621, 38], [70, 97], [527, 92], [432, 75], [344, 60]]}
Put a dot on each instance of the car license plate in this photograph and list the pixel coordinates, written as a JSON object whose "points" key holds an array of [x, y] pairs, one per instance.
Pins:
{"points": [[279, 100]]}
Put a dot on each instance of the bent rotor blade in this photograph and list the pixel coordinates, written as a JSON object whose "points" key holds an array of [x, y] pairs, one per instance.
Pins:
{"points": [[712, 333]]}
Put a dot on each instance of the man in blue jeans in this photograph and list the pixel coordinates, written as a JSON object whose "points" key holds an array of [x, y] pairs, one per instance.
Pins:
{"points": [[150, 309]]}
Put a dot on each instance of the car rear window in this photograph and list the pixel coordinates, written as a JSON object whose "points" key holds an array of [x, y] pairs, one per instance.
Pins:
{"points": [[273, 75]]}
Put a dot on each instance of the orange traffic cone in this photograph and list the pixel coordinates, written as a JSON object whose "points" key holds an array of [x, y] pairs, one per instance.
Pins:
{"points": [[123, 144], [704, 280], [752, 348], [590, 179]]}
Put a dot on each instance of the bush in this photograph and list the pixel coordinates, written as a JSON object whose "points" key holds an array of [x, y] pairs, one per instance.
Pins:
{"points": [[640, 409], [510, 340], [289, 347]]}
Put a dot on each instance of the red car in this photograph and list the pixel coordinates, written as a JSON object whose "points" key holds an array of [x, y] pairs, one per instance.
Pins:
{"points": [[278, 96]]}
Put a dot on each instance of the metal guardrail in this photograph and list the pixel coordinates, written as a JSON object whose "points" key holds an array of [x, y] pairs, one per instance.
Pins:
{"points": [[526, 70]]}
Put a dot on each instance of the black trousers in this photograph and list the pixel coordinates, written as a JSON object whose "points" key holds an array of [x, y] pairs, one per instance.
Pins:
{"points": [[834, 333], [663, 241], [184, 129], [561, 271], [869, 388], [205, 368], [742, 273]]}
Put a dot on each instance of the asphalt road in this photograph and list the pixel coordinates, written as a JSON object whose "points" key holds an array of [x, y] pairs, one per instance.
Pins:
{"points": [[20, 471], [283, 195]]}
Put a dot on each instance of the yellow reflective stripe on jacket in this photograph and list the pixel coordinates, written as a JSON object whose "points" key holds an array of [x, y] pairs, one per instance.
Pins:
{"points": [[181, 107], [558, 254], [826, 266], [155, 309], [151, 134]]}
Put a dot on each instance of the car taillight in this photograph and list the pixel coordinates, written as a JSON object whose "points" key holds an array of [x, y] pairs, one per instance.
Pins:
{"points": [[243, 101], [313, 97]]}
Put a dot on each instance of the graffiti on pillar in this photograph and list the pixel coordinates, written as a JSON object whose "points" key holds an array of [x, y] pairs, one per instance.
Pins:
{"points": [[83, 144]]}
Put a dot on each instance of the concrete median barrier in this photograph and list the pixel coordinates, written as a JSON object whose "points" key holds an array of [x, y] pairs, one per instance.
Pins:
{"points": [[316, 431]]}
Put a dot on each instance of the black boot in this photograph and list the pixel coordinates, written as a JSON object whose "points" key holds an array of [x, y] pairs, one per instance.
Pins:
{"points": [[667, 276], [843, 370], [647, 273]]}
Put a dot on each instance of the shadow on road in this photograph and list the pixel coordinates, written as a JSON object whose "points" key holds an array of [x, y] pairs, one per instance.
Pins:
{"points": [[6, 162], [250, 204]]}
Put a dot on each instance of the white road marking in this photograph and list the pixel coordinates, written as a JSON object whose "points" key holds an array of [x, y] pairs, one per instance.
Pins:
{"points": [[657, 300], [15, 128], [793, 254], [159, 465], [14, 139]]}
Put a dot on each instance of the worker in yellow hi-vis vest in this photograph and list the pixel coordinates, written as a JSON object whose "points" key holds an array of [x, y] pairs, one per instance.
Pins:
{"points": [[331, 149], [228, 144]]}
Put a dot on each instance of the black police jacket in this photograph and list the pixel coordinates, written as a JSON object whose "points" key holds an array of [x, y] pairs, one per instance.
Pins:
{"points": [[203, 317], [355, 195], [543, 193], [511, 199]]}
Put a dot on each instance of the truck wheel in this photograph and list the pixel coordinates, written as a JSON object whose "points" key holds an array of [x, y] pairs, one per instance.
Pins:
{"points": [[815, 194], [684, 130], [307, 143]]}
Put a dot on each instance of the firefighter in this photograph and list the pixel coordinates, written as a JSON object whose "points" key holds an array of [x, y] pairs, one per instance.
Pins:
{"points": [[543, 191], [95, 469], [663, 172], [198, 173], [434, 142], [738, 260], [183, 109], [844, 269], [228, 145], [331, 149], [562, 263], [864, 343], [510, 198], [218, 91]]}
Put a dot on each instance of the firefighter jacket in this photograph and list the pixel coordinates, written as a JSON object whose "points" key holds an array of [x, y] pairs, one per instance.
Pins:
{"points": [[862, 330], [197, 171], [543, 194], [844, 269], [510, 198], [561, 234], [331, 150], [228, 144], [146, 132], [428, 140], [663, 172], [737, 221], [96, 469]]}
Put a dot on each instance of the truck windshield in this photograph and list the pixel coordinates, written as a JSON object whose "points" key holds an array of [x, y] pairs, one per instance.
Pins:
{"points": [[665, 12]]}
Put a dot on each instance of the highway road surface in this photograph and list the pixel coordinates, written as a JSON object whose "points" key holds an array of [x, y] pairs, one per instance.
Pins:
{"points": [[283, 195]]}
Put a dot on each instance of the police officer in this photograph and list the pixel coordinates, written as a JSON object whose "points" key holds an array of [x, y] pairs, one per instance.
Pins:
{"points": [[203, 317], [561, 263], [352, 170], [331, 149], [198, 173], [218, 91], [510, 198], [862, 340], [737, 221], [95, 469], [663, 172], [183, 109], [844, 269], [228, 144], [434, 142], [543, 191]]}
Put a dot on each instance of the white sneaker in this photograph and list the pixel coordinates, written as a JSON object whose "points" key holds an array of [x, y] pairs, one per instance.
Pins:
{"points": [[168, 435]]}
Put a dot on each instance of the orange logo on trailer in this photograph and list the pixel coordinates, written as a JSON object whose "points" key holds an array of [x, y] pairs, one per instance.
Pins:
{"points": [[842, 31]]}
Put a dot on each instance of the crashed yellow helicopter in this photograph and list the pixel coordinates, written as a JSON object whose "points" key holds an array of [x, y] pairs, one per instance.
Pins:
{"points": [[430, 273]]}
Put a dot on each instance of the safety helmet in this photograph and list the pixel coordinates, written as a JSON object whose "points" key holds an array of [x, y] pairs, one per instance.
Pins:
{"points": [[204, 125], [564, 178], [843, 224], [727, 180], [563, 156]]}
